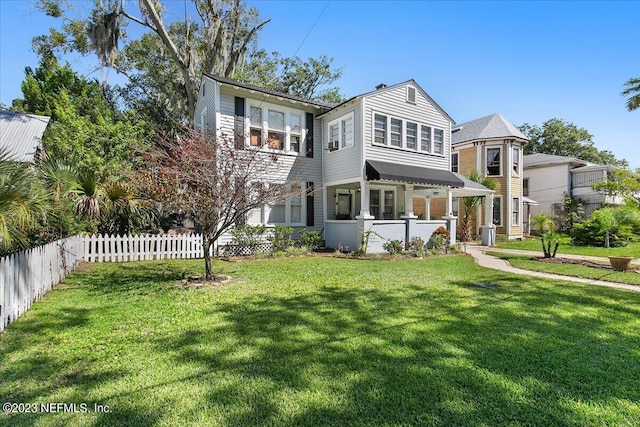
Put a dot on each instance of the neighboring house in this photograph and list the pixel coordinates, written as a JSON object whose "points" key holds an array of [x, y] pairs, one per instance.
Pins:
{"points": [[549, 178], [357, 165], [493, 146], [21, 134]]}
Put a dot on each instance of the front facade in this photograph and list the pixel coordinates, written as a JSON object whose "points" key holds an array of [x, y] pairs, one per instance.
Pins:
{"points": [[493, 147], [549, 178], [358, 165]]}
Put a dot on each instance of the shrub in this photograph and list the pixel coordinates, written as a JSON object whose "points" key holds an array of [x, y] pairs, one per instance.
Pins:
{"points": [[439, 240], [248, 236], [311, 238], [393, 246], [417, 244], [281, 238], [609, 227]]}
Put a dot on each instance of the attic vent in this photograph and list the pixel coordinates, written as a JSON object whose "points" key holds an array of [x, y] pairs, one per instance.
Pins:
{"points": [[381, 86], [411, 94]]}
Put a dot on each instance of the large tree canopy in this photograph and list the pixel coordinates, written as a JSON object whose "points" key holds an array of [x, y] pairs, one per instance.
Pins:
{"points": [[566, 139], [164, 65]]}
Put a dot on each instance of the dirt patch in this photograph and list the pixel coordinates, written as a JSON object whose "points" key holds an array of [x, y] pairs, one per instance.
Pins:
{"points": [[197, 282], [580, 262], [84, 267]]}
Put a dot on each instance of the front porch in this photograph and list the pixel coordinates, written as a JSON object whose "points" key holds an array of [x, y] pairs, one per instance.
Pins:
{"points": [[381, 207]]}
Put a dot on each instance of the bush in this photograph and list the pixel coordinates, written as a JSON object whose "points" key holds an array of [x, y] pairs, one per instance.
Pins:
{"points": [[248, 236], [439, 240], [614, 226], [417, 244], [393, 246], [281, 238], [311, 238]]}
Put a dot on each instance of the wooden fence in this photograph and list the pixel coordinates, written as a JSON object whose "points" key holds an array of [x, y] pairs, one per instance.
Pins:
{"points": [[26, 276], [105, 248]]}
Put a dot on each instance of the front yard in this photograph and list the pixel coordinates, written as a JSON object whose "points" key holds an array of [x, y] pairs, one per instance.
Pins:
{"points": [[533, 244], [325, 341]]}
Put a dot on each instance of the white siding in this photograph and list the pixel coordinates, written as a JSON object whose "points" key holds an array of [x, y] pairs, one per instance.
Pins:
{"points": [[547, 185], [345, 163], [393, 102], [207, 101]]}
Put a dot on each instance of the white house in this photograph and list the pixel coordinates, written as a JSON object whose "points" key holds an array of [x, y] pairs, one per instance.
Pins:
{"points": [[358, 165], [21, 134], [549, 178]]}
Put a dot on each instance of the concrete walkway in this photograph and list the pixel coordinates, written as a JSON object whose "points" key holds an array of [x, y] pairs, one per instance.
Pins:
{"points": [[488, 261]]}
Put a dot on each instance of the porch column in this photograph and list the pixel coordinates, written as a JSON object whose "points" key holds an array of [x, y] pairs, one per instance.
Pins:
{"points": [[410, 228], [364, 201], [488, 210], [427, 208], [448, 203], [408, 201], [452, 221]]}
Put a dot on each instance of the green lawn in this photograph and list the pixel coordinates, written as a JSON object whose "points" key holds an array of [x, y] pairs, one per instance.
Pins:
{"points": [[325, 341], [525, 262], [533, 244]]}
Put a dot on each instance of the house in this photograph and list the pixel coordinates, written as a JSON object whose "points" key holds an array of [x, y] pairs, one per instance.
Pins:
{"points": [[549, 178], [492, 146], [357, 166], [21, 134]]}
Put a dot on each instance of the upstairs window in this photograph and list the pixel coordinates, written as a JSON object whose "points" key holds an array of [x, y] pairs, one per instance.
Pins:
{"points": [[347, 132], [412, 133], [340, 132], [516, 161], [493, 162], [295, 132], [396, 132], [255, 121], [425, 138], [454, 162], [438, 141], [276, 130], [525, 187], [380, 129]]}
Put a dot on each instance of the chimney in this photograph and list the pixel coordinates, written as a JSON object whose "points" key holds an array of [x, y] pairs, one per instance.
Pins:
{"points": [[381, 86]]}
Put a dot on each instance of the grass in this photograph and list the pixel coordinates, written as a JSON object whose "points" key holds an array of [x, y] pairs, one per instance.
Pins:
{"points": [[533, 244], [323, 341], [525, 262]]}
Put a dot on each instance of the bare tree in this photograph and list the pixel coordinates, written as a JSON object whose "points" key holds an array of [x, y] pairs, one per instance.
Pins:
{"points": [[214, 182]]}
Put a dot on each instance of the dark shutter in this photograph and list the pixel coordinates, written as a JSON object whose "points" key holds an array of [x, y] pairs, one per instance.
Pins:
{"points": [[309, 143], [239, 123], [310, 207]]}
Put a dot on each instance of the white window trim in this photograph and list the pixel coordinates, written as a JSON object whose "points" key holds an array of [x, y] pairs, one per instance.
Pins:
{"points": [[265, 107], [287, 208], [486, 163], [519, 211], [339, 122], [381, 189], [403, 141], [519, 171], [499, 223]]}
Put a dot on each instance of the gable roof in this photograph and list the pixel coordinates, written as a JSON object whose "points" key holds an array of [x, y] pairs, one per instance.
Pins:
{"points": [[251, 87], [542, 159], [21, 134], [392, 87], [489, 127]]}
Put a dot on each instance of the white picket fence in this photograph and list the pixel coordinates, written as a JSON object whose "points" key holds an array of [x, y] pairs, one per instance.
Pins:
{"points": [[105, 248], [26, 276]]}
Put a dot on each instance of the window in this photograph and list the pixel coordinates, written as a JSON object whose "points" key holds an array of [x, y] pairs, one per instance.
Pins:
{"points": [[255, 122], [340, 133], [411, 94], [516, 161], [388, 204], [276, 214], [276, 130], [438, 141], [497, 211], [374, 203], [295, 132], [396, 132], [296, 203], [455, 206], [493, 162], [425, 138], [380, 126], [347, 132], [525, 187], [412, 134], [454, 162], [516, 211]]}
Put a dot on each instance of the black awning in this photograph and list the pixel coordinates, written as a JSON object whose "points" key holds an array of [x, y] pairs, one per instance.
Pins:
{"points": [[376, 170]]}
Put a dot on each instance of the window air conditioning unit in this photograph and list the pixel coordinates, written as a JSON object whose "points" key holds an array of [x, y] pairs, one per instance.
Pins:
{"points": [[332, 145]]}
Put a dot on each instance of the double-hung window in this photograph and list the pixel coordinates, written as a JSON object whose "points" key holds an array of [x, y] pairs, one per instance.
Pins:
{"points": [[497, 211], [396, 132], [296, 204], [516, 161], [412, 135], [425, 138], [295, 132], [455, 158], [438, 141], [347, 132], [516, 211], [340, 132], [255, 121], [289, 211], [493, 162], [380, 129], [276, 130]]}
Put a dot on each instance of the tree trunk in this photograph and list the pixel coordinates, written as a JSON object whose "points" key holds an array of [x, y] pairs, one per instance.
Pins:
{"points": [[606, 238], [206, 246], [555, 250]]}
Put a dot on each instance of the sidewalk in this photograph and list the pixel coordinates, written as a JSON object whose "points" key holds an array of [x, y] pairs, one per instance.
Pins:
{"points": [[488, 261]]}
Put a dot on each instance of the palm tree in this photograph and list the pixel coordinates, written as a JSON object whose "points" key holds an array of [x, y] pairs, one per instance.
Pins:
{"points": [[470, 204], [632, 90], [22, 202]]}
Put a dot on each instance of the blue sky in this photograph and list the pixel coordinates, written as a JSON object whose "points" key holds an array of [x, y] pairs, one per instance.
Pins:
{"points": [[529, 61]]}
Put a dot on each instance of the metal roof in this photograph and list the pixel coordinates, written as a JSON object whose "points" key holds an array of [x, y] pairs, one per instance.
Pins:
{"points": [[21, 134], [490, 127], [542, 159]]}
